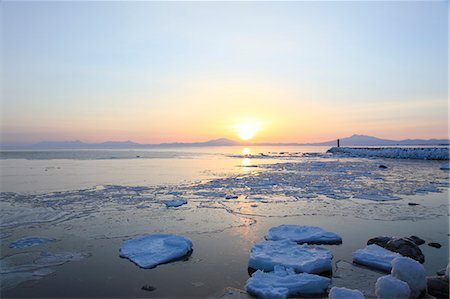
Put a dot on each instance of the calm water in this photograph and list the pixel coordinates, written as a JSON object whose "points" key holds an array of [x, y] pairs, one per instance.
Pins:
{"points": [[84, 200]]}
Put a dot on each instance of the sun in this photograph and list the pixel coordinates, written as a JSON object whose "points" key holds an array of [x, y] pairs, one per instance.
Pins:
{"points": [[247, 131]]}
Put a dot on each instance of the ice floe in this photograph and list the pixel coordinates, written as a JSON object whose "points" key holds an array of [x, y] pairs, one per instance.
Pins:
{"points": [[425, 153], [284, 282], [302, 258], [389, 287], [411, 272], [151, 250], [175, 203], [375, 256], [344, 293], [14, 215], [30, 241], [303, 234]]}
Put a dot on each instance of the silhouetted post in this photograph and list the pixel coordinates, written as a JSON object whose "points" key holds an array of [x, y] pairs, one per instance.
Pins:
{"points": [[338, 142]]}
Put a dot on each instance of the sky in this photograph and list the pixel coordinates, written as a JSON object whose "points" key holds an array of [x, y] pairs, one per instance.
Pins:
{"points": [[155, 72]]}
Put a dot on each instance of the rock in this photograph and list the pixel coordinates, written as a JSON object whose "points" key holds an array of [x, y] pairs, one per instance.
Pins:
{"points": [[438, 286], [417, 240], [413, 204], [441, 272], [148, 288], [382, 166], [406, 247], [380, 241], [411, 272], [344, 293], [389, 287], [435, 245]]}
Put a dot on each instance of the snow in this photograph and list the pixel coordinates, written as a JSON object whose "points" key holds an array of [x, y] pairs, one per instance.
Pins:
{"points": [[302, 258], [425, 153], [284, 282], [151, 250], [411, 272], [175, 203], [30, 241], [375, 256], [303, 234], [389, 287], [344, 293]]}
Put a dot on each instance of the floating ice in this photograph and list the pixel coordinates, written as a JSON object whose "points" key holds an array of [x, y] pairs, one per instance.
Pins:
{"points": [[389, 287], [411, 272], [426, 153], [382, 197], [30, 241], [283, 282], [14, 215], [151, 250], [302, 258], [344, 293], [303, 234], [175, 203], [375, 256]]}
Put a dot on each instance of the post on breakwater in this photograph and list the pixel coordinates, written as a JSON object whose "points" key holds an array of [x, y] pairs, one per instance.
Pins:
{"points": [[338, 145]]}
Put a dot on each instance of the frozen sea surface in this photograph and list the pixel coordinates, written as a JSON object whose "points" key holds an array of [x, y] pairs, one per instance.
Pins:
{"points": [[110, 201]]}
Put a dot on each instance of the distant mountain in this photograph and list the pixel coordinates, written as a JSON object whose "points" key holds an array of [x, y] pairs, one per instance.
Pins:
{"points": [[354, 140], [364, 140]]}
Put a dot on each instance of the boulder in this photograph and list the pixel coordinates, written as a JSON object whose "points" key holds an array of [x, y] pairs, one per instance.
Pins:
{"points": [[417, 240], [406, 247], [438, 286], [380, 241]]}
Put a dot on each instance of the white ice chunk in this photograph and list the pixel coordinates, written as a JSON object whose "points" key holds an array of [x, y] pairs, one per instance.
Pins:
{"points": [[375, 256], [389, 287], [411, 272], [302, 258], [283, 282], [303, 234], [151, 250], [30, 241], [175, 203], [344, 293]]}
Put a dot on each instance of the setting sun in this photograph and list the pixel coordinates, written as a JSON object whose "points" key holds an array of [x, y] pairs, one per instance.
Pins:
{"points": [[247, 130]]}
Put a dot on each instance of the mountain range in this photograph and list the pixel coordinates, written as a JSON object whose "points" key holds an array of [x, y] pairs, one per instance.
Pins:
{"points": [[354, 140]]}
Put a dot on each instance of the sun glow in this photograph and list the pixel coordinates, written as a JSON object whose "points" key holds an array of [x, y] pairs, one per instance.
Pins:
{"points": [[247, 130]]}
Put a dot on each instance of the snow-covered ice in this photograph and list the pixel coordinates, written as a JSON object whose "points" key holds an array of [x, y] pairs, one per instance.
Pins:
{"points": [[303, 234], [376, 257], [389, 287], [284, 282], [425, 153], [344, 293], [302, 258], [151, 250], [30, 241], [411, 272], [175, 203]]}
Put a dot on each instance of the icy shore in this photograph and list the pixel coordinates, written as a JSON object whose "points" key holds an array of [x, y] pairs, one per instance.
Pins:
{"points": [[424, 153]]}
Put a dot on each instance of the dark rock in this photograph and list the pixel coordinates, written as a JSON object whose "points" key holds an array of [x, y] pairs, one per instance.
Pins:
{"points": [[148, 288], [435, 245], [383, 166], [413, 204], [438, 286], [441, 272], [380, 241], [417, 240], [406, 247]]}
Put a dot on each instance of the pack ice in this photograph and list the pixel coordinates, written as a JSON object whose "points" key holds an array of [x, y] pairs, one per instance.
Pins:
{"points": [[284, 282], [175, 203], [302, 258], [376, 257], [303, 234], [151, 250], [30, 241]]}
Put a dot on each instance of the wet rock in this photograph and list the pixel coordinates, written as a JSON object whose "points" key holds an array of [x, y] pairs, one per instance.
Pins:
{"points": [[406, 247], [438, 286], [441, 272], [413, 204], [380, 241], [435, 245], [148, 288], [417, 240], [382, 166]]}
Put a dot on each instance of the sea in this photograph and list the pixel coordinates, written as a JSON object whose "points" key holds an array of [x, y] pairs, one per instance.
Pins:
{"points": [[88, 202]]}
